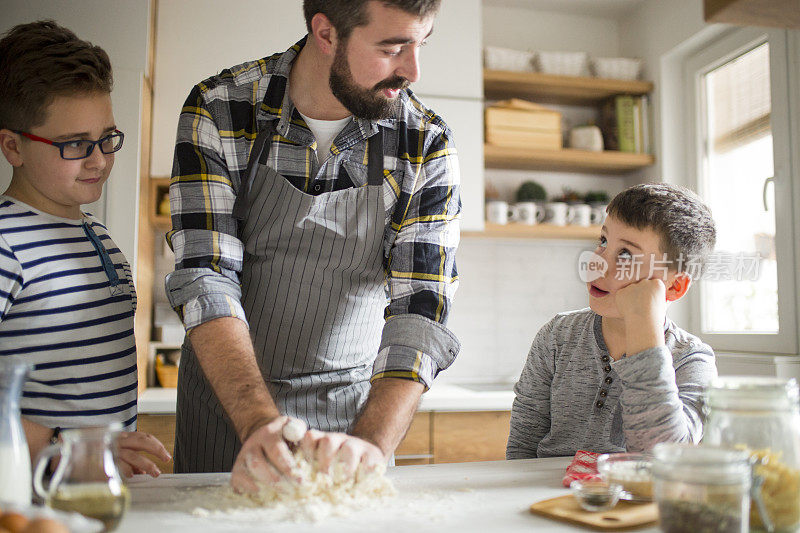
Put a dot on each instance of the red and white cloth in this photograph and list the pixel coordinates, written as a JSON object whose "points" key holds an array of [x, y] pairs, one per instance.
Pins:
{"points": [[583, 467]]}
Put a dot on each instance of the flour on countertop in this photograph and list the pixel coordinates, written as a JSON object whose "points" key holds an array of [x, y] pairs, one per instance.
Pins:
{"points": [[318, 496], [323, 501]]}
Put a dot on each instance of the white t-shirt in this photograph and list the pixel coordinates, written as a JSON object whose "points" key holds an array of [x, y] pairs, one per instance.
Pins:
{"points": [[325, 131]]}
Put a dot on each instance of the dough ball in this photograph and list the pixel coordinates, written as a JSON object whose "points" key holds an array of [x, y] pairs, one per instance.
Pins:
{"points": [[294, 430]]}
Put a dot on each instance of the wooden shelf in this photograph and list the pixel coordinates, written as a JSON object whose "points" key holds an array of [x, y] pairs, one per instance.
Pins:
{"points": [[567, 160], [539, 231], [569, 90], [159, 187]]}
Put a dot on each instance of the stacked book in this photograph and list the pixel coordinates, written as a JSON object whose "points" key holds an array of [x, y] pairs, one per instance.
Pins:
{"points": [[625, 123], [521, 124]]}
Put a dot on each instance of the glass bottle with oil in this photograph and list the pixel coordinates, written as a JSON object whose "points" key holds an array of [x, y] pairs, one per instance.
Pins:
{"points": [[87, 479]]}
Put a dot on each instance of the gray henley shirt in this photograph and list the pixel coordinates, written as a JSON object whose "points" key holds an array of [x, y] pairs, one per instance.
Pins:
{"points": [[572, 396]]}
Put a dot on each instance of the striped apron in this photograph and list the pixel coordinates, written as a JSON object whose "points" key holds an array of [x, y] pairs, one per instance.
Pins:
{"points": [[313, 293]]}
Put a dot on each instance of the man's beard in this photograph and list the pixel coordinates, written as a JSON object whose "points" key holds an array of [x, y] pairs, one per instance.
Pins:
{"points": [[368, 104]]}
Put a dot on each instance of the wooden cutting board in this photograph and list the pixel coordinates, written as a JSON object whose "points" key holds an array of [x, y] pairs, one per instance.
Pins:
{"points": [[625, 515]]}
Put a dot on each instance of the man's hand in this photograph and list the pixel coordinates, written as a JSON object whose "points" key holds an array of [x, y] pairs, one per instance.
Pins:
{"points": [[265, 456], [131, 461], [351, 452], [643, 306]]}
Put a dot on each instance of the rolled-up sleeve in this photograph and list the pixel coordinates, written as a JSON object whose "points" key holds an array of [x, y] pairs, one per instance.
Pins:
{"points": [[420, 269], [208, 253], [661, 396]]}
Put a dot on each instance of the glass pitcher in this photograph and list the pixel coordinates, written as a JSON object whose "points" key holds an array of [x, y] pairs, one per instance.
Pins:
{"points": [[761, 416], [15, 459], [87, 479]]}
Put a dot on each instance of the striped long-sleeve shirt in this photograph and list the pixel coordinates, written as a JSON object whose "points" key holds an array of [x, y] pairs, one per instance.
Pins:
{"points": [[216, 131], [60, 313]]}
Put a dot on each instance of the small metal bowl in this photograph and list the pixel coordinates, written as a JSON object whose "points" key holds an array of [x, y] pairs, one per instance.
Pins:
{"points": [[595, 494]]}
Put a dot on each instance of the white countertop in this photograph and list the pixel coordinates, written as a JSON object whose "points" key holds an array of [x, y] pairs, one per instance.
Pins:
{"points": [[441, 397], [457, 497]]}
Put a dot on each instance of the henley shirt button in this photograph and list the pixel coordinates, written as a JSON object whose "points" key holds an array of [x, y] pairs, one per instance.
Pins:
{"points": [[317, 187], [605, 358], [603, 393], [598, 404], [608, 380], [607, 368]]}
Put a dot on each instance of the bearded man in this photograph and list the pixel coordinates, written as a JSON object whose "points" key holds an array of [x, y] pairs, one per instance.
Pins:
{"points": [[315, 206]]}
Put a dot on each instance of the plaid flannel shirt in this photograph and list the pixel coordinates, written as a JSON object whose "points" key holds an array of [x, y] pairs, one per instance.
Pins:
{"points": [[217, 127]]}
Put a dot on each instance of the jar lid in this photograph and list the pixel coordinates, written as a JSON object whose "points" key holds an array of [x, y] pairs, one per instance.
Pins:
{"points": [[708, 465], [748, 392]]}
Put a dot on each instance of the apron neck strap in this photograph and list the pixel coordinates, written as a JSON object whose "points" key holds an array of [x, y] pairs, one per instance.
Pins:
{"points": [[260, 153], [375, 161]]}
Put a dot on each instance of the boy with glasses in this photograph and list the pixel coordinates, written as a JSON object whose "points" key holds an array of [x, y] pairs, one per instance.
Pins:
{"points": [[67, 299]]}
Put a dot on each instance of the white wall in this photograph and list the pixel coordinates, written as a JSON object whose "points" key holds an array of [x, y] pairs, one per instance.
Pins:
{"points": [[185, 55], [121, 28], [509, 289], [530, 29]]}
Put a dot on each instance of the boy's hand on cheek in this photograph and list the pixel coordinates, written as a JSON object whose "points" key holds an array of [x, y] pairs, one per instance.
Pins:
{"points": [[643, 306]]}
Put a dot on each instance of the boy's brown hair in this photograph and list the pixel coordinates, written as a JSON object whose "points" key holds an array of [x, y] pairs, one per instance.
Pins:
{"points": [[41, 60], [347, 14], [676, 214]]}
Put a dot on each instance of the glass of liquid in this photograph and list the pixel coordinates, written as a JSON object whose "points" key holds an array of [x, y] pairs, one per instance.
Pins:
{"points": [[87, 480]]}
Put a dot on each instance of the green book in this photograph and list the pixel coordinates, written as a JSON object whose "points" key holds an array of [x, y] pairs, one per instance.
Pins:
{"points": [[626, 126]]}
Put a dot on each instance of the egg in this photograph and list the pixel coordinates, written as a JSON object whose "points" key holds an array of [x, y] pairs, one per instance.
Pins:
{"points": [[45, 525], [13, 522]]}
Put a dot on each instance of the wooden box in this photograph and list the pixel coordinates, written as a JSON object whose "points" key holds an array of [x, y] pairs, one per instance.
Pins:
{"points": [[522, 124]]}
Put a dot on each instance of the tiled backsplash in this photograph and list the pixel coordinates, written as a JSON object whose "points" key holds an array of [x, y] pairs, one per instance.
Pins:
{"points": [[508, 290]]}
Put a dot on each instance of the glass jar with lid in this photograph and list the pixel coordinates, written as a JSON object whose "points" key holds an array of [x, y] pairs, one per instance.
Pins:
{"points": [[762, 417], [701, 488]]}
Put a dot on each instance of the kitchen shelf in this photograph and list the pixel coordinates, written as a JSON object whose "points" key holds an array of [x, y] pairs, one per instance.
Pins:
{"points": [[158, 188], [566, 160], [566, 90], [538, 231]]}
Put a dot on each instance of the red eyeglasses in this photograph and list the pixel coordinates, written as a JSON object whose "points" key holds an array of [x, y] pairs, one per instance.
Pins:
{"points": [[81, 148]]}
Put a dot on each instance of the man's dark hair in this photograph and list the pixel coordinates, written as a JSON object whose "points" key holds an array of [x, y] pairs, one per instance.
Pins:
{"points": [[41, 60], [347, 14], [676, 214]]}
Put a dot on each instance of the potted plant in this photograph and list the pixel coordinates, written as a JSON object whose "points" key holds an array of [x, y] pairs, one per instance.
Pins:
{"points": [[596, 197], [530, 191], [569, 196]]}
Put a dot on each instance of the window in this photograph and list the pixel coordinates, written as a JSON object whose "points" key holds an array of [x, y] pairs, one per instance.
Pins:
{"points": [[737, 87]]}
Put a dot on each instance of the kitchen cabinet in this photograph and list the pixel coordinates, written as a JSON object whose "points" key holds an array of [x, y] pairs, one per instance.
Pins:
{"points": [[474, 436], [538, 231], [415, 448], [162, 426], [432, 437], [773, 13]]}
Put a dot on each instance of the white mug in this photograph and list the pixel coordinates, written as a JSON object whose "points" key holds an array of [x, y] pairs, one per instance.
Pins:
{"points": [[557, 213], [497, 212], [579, 215], [527, 213], [598, 214]]}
